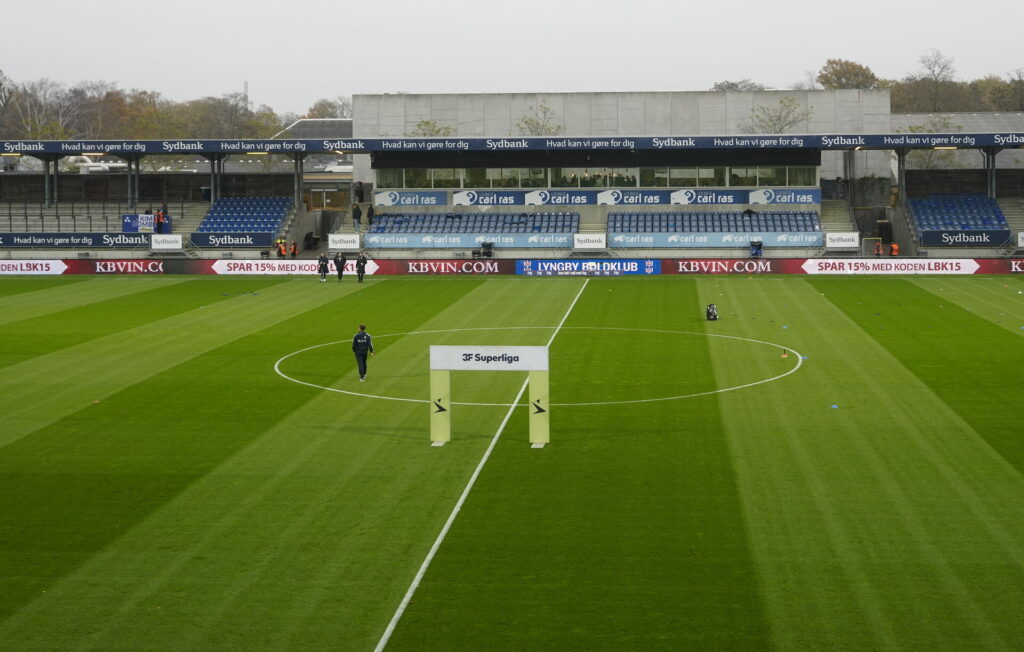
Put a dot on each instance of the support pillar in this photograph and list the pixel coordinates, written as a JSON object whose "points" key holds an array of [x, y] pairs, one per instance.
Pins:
{"points": [[47, 183], [901, 172]]}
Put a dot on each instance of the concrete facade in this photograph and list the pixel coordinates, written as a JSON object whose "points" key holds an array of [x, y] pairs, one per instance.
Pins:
{"points": [[687, 113]]}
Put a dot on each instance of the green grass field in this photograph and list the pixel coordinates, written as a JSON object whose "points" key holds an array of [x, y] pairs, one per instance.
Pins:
{"points": [[163, 487]]}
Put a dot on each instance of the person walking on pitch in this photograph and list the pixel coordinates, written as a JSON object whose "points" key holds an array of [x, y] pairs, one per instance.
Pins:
{"points": [[360, 267], [339, 264], [362, 344], [321, 267]]}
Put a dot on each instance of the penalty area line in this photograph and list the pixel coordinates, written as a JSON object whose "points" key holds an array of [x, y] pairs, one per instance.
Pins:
{"points": [[407, 598]]}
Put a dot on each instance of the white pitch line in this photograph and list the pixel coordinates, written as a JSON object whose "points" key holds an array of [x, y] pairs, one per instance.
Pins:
{"points": [[407, 598], [799, 363]]}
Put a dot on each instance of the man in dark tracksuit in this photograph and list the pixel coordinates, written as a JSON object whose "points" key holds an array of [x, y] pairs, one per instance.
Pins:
{"points": [[322, 267], [339, 264], [362, 344], [360, 267]]}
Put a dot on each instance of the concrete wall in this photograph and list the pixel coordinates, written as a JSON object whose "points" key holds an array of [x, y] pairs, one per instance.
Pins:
{"points": [[628, 114]]}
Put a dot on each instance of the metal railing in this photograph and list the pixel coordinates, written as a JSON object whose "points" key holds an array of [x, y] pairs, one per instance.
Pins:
{"points": [[903, 230]]}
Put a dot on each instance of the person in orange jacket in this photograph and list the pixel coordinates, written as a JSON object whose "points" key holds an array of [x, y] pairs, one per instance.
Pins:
{"points": [[878, 248], [894, 249], [295, 249]]}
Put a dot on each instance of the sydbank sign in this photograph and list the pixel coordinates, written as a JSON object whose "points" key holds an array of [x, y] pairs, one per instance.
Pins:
{"points": [[165, 242], [971, 238], [583, 241], [80, 240], [842, 240], [343, 241], [231, 240]]}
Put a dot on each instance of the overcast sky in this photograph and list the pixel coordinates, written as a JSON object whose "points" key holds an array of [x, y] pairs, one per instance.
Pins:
{"points": [[293, 53]]}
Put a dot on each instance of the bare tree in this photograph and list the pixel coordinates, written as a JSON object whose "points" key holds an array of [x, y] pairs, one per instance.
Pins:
{"points": [[775, 118], [740, 85], [103, 109], [937, 69], [1016, 80], [6, 93], [808, 83], [937, 66], [430, 129], [46, 110], [540, 122], [930, 159]]}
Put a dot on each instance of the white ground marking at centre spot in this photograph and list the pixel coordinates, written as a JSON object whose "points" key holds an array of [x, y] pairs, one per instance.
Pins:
{"points": [[799, 363], [465, 492]]}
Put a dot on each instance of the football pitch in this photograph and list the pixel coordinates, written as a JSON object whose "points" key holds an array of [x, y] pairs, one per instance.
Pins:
{"points": [[192, 463]]}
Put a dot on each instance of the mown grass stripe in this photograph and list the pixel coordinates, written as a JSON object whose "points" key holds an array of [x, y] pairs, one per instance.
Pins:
{"points": [[626, 533], [70, 489], [40, 391], [11, 285], [887, 513], [294, 540], [32, 337], [997, 299], [989, 361], [69, 293]]}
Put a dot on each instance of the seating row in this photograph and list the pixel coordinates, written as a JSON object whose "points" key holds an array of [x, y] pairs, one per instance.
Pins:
{"points": [[268, 201], [713, 222], [240, 228], [476, 223], [956, 212], [246, 215]]}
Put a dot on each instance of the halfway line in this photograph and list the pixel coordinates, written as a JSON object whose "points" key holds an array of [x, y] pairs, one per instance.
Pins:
{"points": [[407, 598]]}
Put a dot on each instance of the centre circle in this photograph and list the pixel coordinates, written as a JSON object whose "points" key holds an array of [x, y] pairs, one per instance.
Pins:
{"points": [[796, 355]]}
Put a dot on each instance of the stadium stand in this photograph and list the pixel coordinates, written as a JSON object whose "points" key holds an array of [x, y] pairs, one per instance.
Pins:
{"points": [[246, 215], [714, 222], [552, 222], [956, 213], [93, 217]]}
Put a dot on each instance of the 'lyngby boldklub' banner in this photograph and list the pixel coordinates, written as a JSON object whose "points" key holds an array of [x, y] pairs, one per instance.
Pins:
{"points": [[584, 267]]}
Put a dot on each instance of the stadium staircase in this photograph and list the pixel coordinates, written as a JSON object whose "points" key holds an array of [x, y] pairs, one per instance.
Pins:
{"points": [[1013, 210], [837, 216]]}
